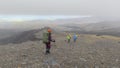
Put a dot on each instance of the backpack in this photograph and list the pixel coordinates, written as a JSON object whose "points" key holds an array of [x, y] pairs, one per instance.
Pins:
{"points": [[75, 37], [68, 37], [45, 37]]}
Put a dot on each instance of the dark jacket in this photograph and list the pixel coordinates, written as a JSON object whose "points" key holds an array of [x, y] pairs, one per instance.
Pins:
{"points": [[49, 37]]}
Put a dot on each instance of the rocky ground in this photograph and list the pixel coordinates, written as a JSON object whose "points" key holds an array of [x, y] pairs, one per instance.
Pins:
{"points": [[90, 51]]}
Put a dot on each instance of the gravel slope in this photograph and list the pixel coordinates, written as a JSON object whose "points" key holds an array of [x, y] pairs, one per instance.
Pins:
{"points": [[90, 51]]}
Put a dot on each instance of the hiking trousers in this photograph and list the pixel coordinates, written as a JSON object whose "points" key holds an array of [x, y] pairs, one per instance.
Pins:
{"points": [[48, 46], [74, 40], [68, 40]]}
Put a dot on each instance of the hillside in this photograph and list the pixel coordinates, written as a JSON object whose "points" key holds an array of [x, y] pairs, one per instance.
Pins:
{"points": [[101, 28], [21, 37], [4, 33], [90, 51]]}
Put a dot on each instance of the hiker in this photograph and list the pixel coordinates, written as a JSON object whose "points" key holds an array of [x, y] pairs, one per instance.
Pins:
{"points": [[75, 37], [68, 38], [47, 39]]}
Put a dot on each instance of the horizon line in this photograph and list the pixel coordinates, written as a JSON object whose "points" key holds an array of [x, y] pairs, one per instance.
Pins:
{"points": [[38, 17]]}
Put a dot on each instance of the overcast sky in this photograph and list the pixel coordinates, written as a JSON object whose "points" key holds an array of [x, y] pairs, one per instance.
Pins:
{"points": [[106, 9]]}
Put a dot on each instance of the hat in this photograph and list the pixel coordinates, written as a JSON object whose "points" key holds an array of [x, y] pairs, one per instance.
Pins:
{"points": [[49, 30]]}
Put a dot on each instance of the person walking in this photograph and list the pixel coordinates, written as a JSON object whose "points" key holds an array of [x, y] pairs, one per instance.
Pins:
{"points": [[75, 37], [47, 39], [68, 38]]}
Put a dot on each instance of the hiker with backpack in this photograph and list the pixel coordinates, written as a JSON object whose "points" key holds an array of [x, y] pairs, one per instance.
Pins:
{"points": [[47, 39], [68, 38], [75, 37]]}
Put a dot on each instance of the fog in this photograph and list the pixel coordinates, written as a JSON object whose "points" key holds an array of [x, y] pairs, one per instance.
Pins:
{"points": [[96, 10], [104, 9]]}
